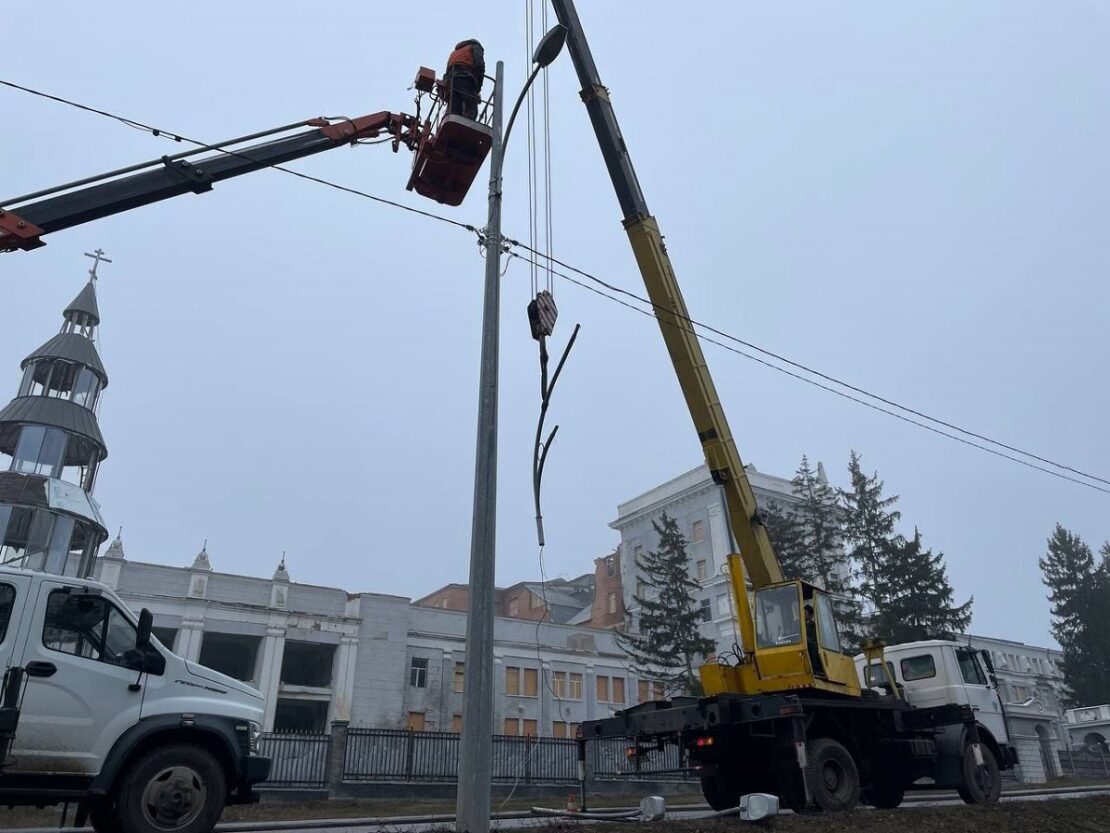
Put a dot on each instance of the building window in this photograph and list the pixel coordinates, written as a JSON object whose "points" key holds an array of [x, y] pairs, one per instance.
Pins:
{"points": [[611, 603], [511, 727], [460, 676], [610, 567], [647, 691], [307, 664], [559, 684], [562, 729], [706, 610], [418, 673], [522, 682], [230, 654], [456, 723], [575, 692], [602, 689], [517, 727], [618, 689], [697, 532], [414, 722], [703, 573], [514, 607]]}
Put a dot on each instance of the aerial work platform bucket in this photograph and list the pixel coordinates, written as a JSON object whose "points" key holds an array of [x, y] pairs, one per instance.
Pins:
{"points": [[447, 162]]}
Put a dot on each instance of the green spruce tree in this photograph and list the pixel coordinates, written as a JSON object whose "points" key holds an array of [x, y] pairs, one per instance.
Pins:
{"points": [[1079, 591], [869, 532], [785, 531], [917, 600], [669, 644], [822, 560]]}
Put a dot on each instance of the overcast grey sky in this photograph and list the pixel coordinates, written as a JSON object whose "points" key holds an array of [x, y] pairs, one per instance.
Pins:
{"points": [[910, 196]]}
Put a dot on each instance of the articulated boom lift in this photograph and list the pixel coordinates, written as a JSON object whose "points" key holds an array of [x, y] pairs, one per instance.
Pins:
{"points": [[448, 149], [773, 636]]}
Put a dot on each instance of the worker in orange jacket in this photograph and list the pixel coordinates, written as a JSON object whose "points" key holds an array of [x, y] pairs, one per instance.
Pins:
{"points": [[466, 69]]}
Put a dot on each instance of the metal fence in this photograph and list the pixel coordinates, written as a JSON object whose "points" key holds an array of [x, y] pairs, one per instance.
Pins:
{"points": [[1085, 762], [300, 760], [403, 755]]}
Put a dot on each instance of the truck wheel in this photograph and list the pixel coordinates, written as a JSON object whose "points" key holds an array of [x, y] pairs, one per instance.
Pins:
{"points": [[886, 795], [982, 785], [103, 816], [721, 791], [831, 776], [179, 788]]}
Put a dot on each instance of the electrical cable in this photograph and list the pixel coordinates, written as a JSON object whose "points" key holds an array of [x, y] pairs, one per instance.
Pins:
{"points": [[798, 376], [551, 259], [177, 137]]}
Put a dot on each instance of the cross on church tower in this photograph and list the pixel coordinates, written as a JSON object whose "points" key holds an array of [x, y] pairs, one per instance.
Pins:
{"points": [[97, 255]]}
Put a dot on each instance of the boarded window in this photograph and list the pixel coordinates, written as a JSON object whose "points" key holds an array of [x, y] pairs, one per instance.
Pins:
{"points": [[456, 723], [531, 682], [618, 689], [512, 679], [602, 689], [460, 676], [415, 721], [697, 532], [530, 729], [703, 570]]}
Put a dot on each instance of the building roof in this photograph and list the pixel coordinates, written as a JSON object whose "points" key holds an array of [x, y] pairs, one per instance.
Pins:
{"points": [[73, 347], [56, 413], [85, 302]]}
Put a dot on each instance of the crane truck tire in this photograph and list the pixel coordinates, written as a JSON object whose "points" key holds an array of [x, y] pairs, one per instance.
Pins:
{"points": [[831, 776], [721, 790], [982, 785], [179, 787]]}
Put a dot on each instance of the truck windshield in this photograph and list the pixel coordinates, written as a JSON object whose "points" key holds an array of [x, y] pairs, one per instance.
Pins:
{"points": [[776, 616]]}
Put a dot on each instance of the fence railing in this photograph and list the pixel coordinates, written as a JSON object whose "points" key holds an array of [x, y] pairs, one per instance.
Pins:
{"points": [[402, 755], [300, 760], [1085, 762]]}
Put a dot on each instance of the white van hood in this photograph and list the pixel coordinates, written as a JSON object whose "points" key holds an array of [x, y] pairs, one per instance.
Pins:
{"points": [[222, 680]]}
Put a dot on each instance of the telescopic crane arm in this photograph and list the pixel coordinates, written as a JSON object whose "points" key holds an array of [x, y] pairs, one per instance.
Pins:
{"points": [[721, 455], [449, 151]]}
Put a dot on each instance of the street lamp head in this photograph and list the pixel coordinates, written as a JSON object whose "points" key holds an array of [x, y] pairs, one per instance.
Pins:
{"points": [[549, 47]]}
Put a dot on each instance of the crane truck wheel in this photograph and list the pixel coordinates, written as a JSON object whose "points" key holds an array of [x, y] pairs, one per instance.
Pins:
{"points": [[831, 776], [982, 785], [721, 790], [178, 788]]}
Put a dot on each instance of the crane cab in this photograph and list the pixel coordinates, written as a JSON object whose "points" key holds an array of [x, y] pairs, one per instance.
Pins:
{"points": [[789, 641]]}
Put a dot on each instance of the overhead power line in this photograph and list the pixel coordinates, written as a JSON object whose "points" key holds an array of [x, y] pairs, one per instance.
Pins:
{"points": [[823, 386], [861, 397], [177, 137]]}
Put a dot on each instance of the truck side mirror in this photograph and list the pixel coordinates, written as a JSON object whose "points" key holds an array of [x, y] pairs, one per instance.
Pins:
{"points": [[142, 637]]}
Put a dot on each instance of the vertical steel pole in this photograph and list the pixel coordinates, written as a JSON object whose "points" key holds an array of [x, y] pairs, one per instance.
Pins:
{"points": [[472, 803]]}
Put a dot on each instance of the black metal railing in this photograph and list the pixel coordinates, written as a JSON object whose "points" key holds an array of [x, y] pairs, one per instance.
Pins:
{"points": [[299, 760], [403, 755], [1085, 762]]}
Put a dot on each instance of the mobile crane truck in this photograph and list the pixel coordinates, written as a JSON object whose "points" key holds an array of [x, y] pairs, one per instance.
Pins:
{"points": [[789, 717], [93, 709]]}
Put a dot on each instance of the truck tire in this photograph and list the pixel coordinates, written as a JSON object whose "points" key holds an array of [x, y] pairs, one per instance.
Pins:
{"points": [[831, 776], [721, 790], [179, 787], [103, 816], [885, 794], [981, 785]]}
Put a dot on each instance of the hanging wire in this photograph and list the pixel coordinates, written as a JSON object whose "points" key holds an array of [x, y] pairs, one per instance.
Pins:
{"points": [[529, 118], [549, 225]]}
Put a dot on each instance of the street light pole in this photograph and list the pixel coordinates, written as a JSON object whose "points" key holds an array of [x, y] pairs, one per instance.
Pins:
{"points": [[475, 779], [472, 802]]}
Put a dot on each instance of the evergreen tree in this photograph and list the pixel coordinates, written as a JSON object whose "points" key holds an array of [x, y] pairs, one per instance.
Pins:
{"points": [[669, 643], [785, 531], [869, 534], [916, 598], [822, 560], [1079, 592]]}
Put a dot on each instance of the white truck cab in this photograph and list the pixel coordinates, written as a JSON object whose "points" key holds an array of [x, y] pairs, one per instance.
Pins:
{"points": [[937, 672], [95, 710]]}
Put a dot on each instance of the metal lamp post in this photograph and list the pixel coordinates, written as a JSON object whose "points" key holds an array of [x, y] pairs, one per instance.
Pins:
{"points": [[472, 805]]}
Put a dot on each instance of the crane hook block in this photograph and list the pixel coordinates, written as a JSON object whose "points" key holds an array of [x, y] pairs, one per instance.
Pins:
{"points": [[448, 160], [542, 314]]}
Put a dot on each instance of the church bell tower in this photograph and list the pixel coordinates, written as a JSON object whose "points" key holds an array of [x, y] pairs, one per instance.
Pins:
{"points": [[51, 448]]}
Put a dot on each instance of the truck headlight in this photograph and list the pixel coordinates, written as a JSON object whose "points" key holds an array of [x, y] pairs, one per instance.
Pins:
{"points": [[255, 736]]}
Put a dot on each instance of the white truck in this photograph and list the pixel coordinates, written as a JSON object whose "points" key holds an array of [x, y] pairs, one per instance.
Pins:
{"points": [[96, 711], [939, 672]]}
